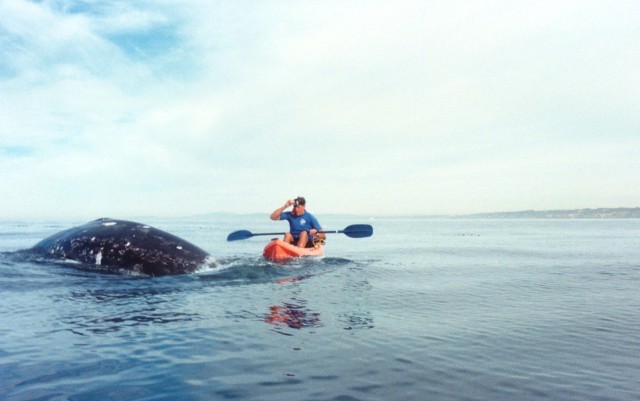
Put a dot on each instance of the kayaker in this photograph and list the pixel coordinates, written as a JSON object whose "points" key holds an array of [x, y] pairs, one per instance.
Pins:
{"points": [[303, 226]]}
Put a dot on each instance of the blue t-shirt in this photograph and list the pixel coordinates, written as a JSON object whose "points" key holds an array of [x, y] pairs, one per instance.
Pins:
{"points": [[304, 222]]}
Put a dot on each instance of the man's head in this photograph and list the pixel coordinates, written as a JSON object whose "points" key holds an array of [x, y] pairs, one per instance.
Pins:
{"points": [[299, 205]]}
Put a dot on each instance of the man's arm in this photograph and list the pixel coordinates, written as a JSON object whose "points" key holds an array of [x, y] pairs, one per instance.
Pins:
{"points": [[276, 213], [316, 227]]}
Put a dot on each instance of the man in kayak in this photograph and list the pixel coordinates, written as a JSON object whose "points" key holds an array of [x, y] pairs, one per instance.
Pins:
{"points": [[303, 226]]}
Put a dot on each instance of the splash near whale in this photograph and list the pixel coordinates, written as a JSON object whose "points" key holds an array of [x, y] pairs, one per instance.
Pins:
{"points": [[123, 244]]}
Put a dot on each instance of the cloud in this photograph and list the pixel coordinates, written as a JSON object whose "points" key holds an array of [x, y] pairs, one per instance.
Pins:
{"points": [[187, 107]]}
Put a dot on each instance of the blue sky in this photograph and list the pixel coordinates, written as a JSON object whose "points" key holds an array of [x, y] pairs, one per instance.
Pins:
{"points": [[174, 108]]}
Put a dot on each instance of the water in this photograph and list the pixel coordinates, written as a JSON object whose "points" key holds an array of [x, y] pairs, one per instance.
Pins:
{"points": [[425, 309]]}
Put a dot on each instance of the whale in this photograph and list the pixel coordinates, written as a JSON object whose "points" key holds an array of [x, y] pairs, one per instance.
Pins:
{"points": [[121, 244]]}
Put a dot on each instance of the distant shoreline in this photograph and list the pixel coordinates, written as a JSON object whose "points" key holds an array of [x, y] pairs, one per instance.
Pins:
{"points": [[599, 213]]}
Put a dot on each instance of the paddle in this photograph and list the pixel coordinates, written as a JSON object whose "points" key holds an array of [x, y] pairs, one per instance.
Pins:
{"points": [[353, 231]]}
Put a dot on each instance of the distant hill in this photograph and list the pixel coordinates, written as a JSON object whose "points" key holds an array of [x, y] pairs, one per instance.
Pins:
{"points": [[601, 213]]}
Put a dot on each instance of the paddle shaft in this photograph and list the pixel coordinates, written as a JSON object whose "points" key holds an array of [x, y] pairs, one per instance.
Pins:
{"points": [[353, 231], [295, 232]]}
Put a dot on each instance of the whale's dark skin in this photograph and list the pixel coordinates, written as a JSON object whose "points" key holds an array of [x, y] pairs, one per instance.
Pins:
{"points": [[124, 244]]}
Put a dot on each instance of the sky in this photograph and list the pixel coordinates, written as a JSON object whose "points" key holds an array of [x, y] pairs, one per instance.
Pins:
{"points": [[174, 108]]}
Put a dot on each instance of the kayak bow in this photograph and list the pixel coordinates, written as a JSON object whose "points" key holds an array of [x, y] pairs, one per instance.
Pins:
{"points": [[279, 251]]}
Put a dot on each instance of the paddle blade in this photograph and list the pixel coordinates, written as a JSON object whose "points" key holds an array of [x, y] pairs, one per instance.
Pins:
{"points": [[358, 231], [238, 235]]}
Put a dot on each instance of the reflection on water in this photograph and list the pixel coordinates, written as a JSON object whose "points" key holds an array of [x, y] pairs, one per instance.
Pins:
{"points": [[292, 315], [293, 279], [116, 309], [85, 325], [357, 320]]}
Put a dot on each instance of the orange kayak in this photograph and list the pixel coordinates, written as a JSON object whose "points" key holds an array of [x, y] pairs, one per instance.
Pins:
{"points": [[279, 251]]}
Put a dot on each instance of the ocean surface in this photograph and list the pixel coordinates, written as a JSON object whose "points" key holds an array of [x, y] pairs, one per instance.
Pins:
{"points": [[425, 309]]}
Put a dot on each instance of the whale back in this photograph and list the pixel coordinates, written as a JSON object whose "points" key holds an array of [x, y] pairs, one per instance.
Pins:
{"points": [[125, 244]]}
